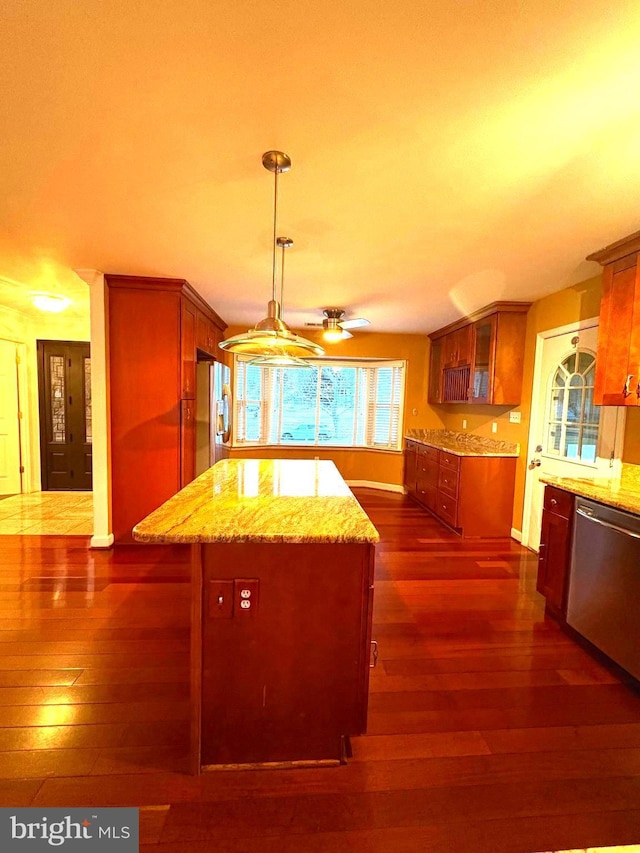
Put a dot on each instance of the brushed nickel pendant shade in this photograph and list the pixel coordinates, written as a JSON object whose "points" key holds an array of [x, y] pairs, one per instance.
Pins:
{"points": [[271, 340]]}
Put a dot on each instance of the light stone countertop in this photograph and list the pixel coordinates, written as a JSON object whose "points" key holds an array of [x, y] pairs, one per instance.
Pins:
{"points": [[622, 492], [463, 443], [261, 500]]}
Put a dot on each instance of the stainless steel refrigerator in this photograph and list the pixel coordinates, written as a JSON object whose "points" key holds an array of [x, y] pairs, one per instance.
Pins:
{"points": [[213, 413]]}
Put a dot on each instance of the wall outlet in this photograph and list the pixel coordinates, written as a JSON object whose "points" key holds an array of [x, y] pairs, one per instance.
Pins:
{"points": [[494, 426], [515, 417], [464, 423]]}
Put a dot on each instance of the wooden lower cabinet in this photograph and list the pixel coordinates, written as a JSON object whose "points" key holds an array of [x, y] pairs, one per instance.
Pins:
{"points": [[287, 678], [555, 549], [472, 494], [410, 466], [427, 476]]}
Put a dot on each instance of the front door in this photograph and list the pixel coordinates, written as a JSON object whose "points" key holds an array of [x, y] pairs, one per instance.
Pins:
{"points": [[569, 435], [64, 383]]}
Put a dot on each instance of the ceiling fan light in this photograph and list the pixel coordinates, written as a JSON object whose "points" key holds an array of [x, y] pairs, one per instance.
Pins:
{"points": [[332, 335]]}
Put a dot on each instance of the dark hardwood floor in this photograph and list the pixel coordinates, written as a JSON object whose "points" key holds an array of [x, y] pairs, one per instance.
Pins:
{"points": [[489, 729]]}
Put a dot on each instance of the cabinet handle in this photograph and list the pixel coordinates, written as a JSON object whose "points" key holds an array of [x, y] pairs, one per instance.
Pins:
{"points": [[374, 652], [625, 390]]}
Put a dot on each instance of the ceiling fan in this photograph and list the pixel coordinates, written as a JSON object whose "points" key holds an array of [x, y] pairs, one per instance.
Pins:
{"points": [[335, 328]]}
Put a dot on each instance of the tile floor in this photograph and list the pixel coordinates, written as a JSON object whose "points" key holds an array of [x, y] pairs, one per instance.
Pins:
{"points": [[47, 513]]}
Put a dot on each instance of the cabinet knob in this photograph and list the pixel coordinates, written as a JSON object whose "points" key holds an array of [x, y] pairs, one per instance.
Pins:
{"points": [[553, 502], [374, 652]]}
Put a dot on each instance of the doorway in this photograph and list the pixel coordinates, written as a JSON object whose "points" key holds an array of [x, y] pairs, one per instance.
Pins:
{"points": [[64, 390], [10, 455], [569, 435]]}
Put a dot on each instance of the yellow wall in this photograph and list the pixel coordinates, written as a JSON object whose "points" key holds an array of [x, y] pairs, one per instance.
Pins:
{"points": [[372, 465], [26, 331]]}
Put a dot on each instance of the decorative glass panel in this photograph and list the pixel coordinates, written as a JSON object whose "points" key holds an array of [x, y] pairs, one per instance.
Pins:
{"points": [[88, 424], [557, 404], [58, 409], [573, 419], [589, 448]]}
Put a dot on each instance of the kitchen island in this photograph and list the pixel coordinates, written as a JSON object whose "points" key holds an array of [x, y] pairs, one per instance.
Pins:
{"points": [[282, 594]]}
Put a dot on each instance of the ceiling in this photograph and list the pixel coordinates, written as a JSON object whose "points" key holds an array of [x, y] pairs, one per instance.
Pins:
{"points": [[445, 154]]}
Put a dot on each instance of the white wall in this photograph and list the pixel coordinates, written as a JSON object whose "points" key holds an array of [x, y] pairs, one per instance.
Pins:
{"points": [[26, 330]]}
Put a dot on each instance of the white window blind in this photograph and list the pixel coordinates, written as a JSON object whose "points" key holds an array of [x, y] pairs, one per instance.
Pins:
{"points": [[338, 403]]}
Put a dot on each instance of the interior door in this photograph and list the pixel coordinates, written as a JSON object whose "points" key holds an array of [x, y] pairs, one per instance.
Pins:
{"points": [[569, 435], [10, 478], [64, 384]]}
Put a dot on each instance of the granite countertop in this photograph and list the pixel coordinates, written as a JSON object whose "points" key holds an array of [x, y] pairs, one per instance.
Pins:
{"points": [[463, 443], [622, 492], [261, 500]]}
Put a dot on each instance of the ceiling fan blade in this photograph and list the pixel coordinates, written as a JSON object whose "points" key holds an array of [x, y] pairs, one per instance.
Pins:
{"points": [[346, 335], [356, 323]]}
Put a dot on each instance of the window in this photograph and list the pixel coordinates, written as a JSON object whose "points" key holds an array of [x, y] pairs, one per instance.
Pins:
{"points": [[337, 403], [573, 418]]}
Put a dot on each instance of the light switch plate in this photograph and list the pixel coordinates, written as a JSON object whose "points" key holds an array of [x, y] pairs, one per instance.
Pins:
{"points": [[220, 599]]}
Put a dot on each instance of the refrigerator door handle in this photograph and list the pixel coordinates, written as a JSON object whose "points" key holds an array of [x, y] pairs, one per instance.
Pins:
{"points": [[226, 413]]}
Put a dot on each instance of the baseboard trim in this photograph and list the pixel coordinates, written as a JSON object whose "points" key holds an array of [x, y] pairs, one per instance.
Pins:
{"points": [[371, 484], [102, 541], [516, 534]]}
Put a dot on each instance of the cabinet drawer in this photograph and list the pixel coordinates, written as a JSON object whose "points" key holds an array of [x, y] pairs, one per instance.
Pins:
{"points": [[447, 508], [410, 446], [558, 501], [450, 460], [427, 472], [427, 452], [448, 481], [427, 495]]}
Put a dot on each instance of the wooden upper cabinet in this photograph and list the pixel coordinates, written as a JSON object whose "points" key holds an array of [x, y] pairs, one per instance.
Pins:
{"points": [[435, 373], [483, 360], [482, 357], [207, 335], [188, 348], [456, 347], [618, 361]]}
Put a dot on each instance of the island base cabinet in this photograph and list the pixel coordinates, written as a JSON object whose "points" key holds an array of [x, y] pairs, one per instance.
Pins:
{"points": [[286, 678]]}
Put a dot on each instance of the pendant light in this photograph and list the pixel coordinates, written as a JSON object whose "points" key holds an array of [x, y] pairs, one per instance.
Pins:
{"points": [[281, 359], [272, 336]]}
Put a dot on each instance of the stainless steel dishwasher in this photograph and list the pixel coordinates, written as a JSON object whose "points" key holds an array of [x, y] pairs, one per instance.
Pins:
{"points": [[604, 581]]}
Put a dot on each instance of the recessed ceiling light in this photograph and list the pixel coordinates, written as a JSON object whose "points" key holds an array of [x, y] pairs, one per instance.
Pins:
{"points": [[51, 302]]}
